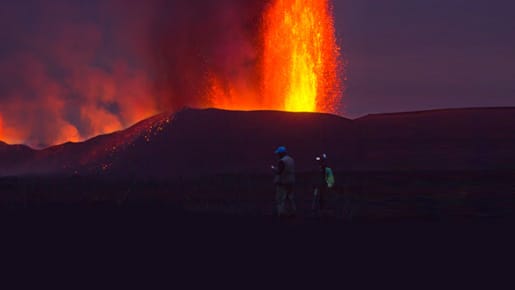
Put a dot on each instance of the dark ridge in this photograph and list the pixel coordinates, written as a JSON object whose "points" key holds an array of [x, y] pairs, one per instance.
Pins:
{"points": [[434, 111], [208, 142]]}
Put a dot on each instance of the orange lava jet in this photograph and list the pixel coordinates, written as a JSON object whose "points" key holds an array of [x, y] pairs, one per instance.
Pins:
{"points": [[300, 62], [301, 55]]}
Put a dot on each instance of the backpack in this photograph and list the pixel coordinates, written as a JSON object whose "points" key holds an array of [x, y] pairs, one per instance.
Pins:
{"points": [[329, 177]]}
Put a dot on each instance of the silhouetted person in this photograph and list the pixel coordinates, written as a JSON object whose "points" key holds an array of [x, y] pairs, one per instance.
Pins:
{"points": [[323, 185], [284, 182]]}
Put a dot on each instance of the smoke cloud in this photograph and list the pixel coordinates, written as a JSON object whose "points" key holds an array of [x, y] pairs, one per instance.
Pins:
{"points": [[73, 69]]}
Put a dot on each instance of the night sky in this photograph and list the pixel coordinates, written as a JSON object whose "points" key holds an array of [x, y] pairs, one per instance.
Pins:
{"points": [[409, 55], [402, 55]]}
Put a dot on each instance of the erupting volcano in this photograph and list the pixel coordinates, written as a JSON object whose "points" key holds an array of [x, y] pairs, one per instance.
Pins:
{"points": [[229, 54]]}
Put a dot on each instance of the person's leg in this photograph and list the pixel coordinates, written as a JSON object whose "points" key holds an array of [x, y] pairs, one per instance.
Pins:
{"points": [[291, 200], [280, 198]]}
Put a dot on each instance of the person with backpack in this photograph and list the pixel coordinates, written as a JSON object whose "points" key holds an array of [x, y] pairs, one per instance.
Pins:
{"points": [[323, 185]]}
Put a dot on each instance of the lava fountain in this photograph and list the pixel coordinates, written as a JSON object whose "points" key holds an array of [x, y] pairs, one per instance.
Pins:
{"points": [[300, 64], [301, 55]]}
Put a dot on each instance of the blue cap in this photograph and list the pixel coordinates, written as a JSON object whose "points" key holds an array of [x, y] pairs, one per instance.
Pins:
{"points": [[280, 150]]}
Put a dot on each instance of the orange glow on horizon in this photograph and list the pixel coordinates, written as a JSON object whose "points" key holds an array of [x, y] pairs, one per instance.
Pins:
{"points": [[8, 134], [2, 133]]}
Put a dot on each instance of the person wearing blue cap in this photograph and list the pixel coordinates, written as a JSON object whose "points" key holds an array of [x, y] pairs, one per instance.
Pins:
{"points": [[284, 183]]}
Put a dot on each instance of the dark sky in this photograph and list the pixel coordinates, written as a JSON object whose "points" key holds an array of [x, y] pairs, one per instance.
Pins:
{"points": [[85, 66], [422, 54], [402, 55]]}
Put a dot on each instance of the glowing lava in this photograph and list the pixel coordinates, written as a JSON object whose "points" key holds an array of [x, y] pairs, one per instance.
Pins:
{"points": [[301, 55], [8, 134], [300, 65], [2, 128]]}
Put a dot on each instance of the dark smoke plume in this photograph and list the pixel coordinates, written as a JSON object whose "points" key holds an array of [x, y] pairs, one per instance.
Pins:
{"points": [[73, 69]]}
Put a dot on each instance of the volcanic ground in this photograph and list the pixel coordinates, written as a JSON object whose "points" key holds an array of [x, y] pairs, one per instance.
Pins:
{"points": [[456, 162]]}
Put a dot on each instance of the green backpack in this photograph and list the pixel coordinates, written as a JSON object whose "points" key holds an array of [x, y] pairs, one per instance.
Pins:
{"points": [[329, 177]]}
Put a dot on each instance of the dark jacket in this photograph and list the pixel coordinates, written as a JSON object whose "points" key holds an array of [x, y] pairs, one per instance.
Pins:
{"points": [[285, 174]]}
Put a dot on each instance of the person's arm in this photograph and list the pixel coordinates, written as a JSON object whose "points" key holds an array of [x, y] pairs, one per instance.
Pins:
{"points": [[279, 168]]}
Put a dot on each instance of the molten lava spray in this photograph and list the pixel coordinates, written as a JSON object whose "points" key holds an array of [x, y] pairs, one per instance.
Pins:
{"points": [[301, 56], [300, 62]]}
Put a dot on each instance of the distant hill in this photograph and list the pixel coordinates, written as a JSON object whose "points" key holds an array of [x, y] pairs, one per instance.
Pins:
{"points": [[207, 142], [452, 139]]}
